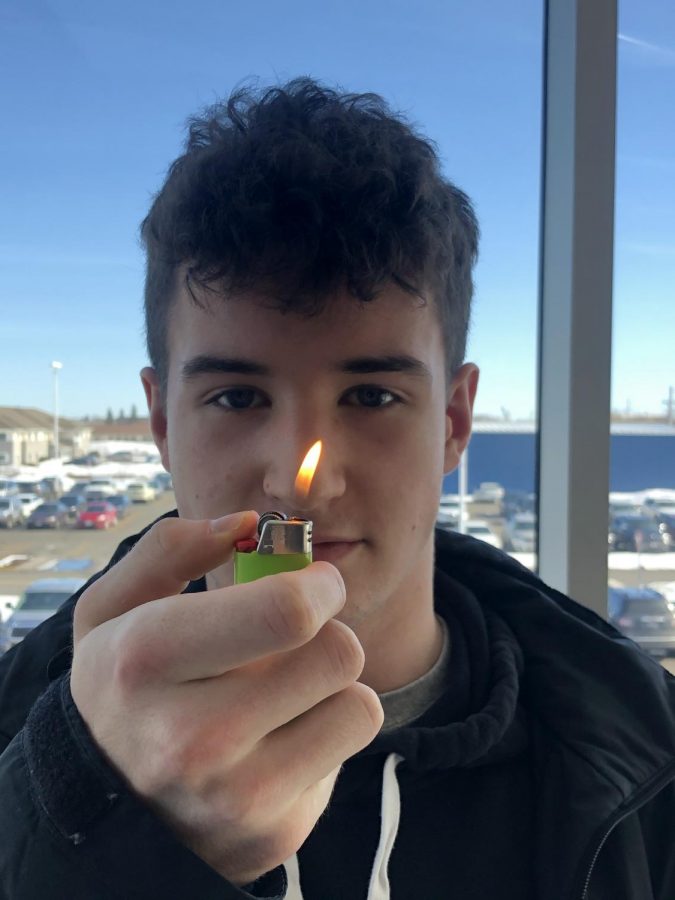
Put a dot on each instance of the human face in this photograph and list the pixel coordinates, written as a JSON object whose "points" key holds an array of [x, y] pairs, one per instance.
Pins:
{"points": [[250, 389]]}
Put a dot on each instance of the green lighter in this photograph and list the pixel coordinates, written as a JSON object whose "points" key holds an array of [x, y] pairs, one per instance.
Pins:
{"points": [[284, 545]]}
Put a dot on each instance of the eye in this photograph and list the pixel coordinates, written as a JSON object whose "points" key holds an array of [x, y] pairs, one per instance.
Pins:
{"points": [[238, 399], [371, 396]]}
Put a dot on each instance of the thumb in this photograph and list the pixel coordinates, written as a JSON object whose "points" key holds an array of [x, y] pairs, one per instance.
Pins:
{"points": [[172, 553]]}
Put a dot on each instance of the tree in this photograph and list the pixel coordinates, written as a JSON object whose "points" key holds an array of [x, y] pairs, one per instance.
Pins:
{"points": [[120, 415], [134, 412], [109, 415]]}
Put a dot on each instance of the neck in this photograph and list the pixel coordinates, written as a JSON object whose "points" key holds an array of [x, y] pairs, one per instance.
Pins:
{"points": [[404, 644]]}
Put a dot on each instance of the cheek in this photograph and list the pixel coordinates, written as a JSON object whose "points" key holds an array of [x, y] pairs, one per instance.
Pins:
{"points": [[208, 482]]}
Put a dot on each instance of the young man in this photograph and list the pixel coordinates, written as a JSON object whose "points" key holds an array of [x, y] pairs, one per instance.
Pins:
{"points": [[413, 715]]}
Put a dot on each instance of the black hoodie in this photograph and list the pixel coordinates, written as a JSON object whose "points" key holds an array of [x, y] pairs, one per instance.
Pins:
{"points": [[546, 770]]}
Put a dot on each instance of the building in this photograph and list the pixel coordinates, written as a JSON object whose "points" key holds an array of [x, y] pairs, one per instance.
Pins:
{"points": [[27, 436], [121, 429]]}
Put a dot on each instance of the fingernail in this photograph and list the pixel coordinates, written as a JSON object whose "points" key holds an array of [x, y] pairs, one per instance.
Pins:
{"points": [[227, 523]]}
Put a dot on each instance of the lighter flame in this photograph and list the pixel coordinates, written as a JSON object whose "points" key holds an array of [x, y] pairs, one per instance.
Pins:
{"points": [[303, 481]]}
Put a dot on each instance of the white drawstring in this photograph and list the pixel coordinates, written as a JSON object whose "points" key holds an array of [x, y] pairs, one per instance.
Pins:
{"points": [[390, 815], [293, 891], [378, 889]]}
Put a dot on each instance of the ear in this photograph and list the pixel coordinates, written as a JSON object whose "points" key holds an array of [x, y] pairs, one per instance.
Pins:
{"points": [[459, 414], [157, 409]]}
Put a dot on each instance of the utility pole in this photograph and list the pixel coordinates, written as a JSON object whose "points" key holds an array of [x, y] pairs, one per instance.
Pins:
{"points": [[56, 366]]}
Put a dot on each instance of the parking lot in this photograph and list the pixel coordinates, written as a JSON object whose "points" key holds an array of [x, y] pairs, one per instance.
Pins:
{"points": [[76, 553], [27, 555]]}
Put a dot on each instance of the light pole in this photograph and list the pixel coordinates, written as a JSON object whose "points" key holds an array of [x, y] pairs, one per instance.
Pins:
{"points": [[463, 486], [56, 367]]}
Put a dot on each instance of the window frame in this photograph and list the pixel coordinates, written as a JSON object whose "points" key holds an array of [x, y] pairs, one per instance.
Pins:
{"points": [[575, 296]]}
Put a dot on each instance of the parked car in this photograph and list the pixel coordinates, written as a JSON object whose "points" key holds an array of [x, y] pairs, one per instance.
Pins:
{"points": [[140, 492], [157, 484], [96, 496], [97, 515], [11, 511], [29, 502], [29, 487], [8, 486], [100, 487], [5, 642], [89, 459], [481, 530], [8, 603], [520, 533], [52, 486], [449, 511], [48, 515], [667, 588], [645, 616], [79, 488], [39, 601], [165, 480], [515, 502], [121, 503], [666, 519], [637, 533], [74, 504]]}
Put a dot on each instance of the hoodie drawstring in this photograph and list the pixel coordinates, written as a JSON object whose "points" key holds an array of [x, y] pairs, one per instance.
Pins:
{"points": [[390, 815]]}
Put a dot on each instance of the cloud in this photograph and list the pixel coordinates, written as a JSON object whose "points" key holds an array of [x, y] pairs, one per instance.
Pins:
{"points": [[653, 52]]}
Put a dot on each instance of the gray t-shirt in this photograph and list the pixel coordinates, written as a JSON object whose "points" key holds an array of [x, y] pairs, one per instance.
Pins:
{"points": [[409, 702]]}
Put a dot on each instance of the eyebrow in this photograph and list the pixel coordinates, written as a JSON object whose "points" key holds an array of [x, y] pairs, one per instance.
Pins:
{"points": [[364, 365], [361, 365]]}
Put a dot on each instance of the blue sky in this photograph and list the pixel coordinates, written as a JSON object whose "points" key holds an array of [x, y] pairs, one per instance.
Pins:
{"points": [[95, 112]]}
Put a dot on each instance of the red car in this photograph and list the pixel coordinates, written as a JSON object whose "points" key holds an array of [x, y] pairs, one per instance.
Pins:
{"points": [[97, 515]]}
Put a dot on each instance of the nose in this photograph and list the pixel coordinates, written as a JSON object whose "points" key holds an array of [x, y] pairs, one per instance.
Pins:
{"points": [[284, 460]]}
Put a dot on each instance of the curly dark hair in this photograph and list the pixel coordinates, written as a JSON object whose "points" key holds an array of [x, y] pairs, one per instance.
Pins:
{"points": [[299, 191]]}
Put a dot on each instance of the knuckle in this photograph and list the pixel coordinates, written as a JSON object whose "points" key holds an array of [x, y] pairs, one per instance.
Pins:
{"points": [[135, 659], [290, 614], [246, 802], [366, 707], [169, 537], [342, 652]]}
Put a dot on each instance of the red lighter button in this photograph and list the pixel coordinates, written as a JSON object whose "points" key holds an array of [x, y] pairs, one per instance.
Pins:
{"points": [[246, 546]]}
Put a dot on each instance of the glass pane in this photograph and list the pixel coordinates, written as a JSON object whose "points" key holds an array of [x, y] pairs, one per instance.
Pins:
{"points": [[642, 498], [99, 97]]}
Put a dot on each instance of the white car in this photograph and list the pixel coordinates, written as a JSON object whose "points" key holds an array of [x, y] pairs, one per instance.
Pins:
{"points": [[140, 492], [39, 601], [29, 502], [99, 488], [520, 533], [479, 529], [449, 511]]}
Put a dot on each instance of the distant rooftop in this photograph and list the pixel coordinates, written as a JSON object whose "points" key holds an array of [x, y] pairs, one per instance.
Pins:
{"points": [[27, 417]]}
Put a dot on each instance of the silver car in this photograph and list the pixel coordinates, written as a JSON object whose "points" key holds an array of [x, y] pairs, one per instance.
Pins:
{"points": [[40, 600], [11, 511], [520, 533]]}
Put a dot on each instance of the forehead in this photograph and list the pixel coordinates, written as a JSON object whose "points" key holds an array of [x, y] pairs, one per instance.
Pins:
{"points": [[243, 325]]}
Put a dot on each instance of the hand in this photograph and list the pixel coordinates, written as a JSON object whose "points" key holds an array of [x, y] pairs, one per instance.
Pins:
{"points": [[230, 711]]}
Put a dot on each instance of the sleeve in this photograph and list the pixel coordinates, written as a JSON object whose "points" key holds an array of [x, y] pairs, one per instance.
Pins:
{"points": [[70, 828]]}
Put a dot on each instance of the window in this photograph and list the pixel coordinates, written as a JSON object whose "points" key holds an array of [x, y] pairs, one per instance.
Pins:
{"points": [[641, 538]]}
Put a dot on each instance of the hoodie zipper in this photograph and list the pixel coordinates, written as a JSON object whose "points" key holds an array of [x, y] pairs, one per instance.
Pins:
{"points": [[640, 800]]}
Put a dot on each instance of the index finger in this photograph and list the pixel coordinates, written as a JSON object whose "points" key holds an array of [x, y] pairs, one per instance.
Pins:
{"points": [[172, 553]]}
